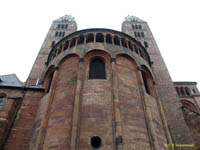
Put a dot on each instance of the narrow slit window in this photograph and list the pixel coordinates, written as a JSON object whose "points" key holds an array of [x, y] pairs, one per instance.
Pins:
{"points": [[145, 82], [97, 69]]}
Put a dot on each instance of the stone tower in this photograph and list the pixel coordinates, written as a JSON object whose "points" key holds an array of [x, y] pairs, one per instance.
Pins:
{"points": [[98, 89]]}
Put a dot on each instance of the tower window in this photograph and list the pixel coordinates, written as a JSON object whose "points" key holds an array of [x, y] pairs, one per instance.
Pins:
{"points": [[144, 77], [146, 44], [133, 27], [135, 34], [182, 91], [66, 45], [140, 27], [90, 38], [62, 26], [63, 34], [58, 26], [138, 34], [97, 69], [116, 40], [99, 37], [60, 34], [2, 101], [136, 27], [142, 34], [66, 26], [56, 34], [53, 43], [108, 39], [95, 142]]}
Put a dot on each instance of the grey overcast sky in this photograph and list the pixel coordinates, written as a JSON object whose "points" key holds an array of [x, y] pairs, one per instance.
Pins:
{"points": [[175, 25]]}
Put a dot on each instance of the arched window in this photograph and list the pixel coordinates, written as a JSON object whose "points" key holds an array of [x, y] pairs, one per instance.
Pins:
{"points": [[97, 69], [124, 43], [116, 40], [182, 91], [73, 42], [130, 45], [99, 37], [144, 77], [81, 39], [108, 39], [2, 101], [90, 38], [187, 90]]}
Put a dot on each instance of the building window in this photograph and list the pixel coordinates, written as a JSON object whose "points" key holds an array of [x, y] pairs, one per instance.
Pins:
{"points": [[95, 142], [116, 40], [56, 34], [2, 101], [81, 39], [58, 26], [144, 77], [124, 43], [99, 37], [182, 91], [146, 44], [138, 34], [140, 27], [90, 38], [53, 43], [142, 34], [97, 69], [66, 26], [62, 26], [194, 91], [133, 27], [108, 39], [63, 34], [135, 34], [136, 27], [187, 91], [73, 42]]}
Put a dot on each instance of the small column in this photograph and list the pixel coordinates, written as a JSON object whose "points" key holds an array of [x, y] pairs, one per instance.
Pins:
{"points": [[44, 123], [116, 108], [76, 112], [147, 112]]}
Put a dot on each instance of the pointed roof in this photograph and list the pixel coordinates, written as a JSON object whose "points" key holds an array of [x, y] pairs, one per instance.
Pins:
{"points": [[133, 19], [68, 18], [10, 80]]}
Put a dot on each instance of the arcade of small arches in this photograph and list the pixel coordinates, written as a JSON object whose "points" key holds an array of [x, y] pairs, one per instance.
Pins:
{"points": [[99, 37]]}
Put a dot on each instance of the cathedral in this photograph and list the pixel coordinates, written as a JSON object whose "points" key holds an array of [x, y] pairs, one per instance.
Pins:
{"points": [[99, 89]]}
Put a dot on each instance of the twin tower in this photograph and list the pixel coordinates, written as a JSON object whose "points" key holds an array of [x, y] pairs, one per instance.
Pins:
{"points": [[101, 89]]}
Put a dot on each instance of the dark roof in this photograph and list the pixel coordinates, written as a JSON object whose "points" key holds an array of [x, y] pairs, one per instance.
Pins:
{"points": [[10, 80], [185, 82]]}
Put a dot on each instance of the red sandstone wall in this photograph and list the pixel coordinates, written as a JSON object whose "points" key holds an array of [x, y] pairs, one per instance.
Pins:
{"points": [[21, 131], [60, 119], [135, 135]]}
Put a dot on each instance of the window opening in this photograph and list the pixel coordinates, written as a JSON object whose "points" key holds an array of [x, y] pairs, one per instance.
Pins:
{"points": [[138, 34], [116, 40], [53, 44], [99, 37], [140, 27], [177, 90], [194, 91], [66, 26], [81, 39], [133, 27], [2, 101], [56, 34], [108, 39], [135, 34], [130, 45], [136, 27], [187, 90], [145, 82], [58, 26], [73, 42], [97, 69], [95, 142], [182, 91], [146, 44], [62, 26], [60, 34], [124, 43], [90, 38], [66, 45], [63, 34], [142, 34]]}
